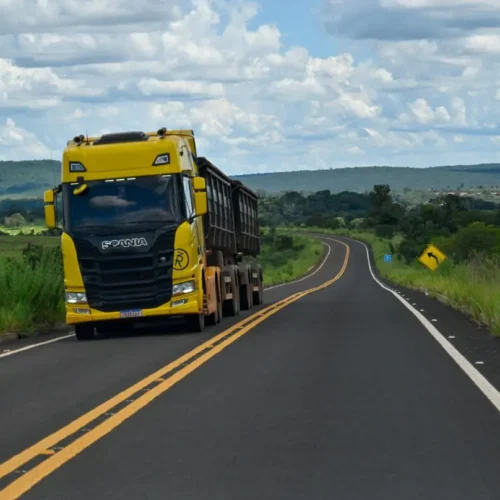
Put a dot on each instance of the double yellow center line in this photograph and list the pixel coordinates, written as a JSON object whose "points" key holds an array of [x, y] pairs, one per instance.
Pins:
{"points": [[21, 472]]}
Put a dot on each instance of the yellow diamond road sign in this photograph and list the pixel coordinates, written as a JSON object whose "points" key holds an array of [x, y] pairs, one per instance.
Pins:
{"points": [[432, 257]]}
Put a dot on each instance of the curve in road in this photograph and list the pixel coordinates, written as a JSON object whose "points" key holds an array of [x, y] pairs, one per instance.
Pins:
{"points": [[338, 392]]}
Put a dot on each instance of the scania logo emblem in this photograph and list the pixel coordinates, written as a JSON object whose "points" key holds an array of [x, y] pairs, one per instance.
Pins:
{"points": [[124, 243]]}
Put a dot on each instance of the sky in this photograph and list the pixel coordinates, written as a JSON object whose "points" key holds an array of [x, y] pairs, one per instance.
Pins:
{"points": [[267, 86]]}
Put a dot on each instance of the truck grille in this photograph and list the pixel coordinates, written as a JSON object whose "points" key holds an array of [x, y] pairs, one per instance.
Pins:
{"points": [[127, 280]]}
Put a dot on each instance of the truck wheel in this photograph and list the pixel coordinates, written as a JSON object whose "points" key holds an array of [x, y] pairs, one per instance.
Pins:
{"points": [[246, 297], [215, 318], [232, 306], [84, 332], [258, 296], [195, 322], [219, 311]]}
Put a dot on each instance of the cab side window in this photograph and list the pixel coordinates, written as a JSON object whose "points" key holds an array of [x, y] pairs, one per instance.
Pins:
{"points": [[188, 195]]}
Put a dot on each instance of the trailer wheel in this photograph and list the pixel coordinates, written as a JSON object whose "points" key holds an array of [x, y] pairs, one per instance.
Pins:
{"points": [[84, 331], [258, 296], [219, 310], [195, 323], [246, 297], [246, 291], [232, 306]]}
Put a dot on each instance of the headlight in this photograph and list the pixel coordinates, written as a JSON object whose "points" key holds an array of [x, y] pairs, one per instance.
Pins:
{"points": [[186, 287], [76, 298]]}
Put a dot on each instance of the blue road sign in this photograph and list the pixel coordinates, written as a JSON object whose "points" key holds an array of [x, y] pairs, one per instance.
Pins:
{"points": [[388, 257]]}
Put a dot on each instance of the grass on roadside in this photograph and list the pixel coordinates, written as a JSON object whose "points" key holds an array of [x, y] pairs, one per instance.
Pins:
{"points": [[23, 230], [472, 287], [285, 258], [12, 246], [31, 291]]}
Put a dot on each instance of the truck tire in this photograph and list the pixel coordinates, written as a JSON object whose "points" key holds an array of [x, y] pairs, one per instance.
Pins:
{"points": [[246, 297], [195, 323], [258, 296], [216, 317], [232, 306], [84, 331], [246, 291], [220, 312]]}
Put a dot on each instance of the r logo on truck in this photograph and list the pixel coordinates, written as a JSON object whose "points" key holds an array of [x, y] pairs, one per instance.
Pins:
{"points": [[124, 243], [181, 259]]}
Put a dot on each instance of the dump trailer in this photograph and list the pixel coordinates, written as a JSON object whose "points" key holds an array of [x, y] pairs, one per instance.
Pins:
{"points": [[150, 231], [232, 232]]}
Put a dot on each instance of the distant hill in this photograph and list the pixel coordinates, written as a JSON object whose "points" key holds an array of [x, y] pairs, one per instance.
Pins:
{"points": [[361, 179], [28, 179]]}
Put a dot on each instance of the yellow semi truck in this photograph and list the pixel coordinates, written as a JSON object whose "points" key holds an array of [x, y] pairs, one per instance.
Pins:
{"points": [[151, 231]]}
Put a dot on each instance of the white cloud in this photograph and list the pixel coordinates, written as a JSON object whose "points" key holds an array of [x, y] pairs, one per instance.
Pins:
{"points": [[29, 16], [176, 88], [423, 84], [425, 114], [16, 143]]}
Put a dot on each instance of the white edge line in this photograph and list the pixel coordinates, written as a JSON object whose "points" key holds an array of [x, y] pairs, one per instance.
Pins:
{"points": [[39, 344], [481, 382]]}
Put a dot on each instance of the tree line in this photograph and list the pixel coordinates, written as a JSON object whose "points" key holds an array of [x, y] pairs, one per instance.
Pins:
{"points": [[460, 225]]}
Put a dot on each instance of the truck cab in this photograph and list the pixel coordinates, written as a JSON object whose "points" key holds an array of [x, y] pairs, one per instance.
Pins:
{"points": [[132, 236], [132, 232]]}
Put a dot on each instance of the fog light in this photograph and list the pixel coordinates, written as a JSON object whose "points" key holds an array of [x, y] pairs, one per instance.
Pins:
{"points": [[179, 302], [81, 311]]}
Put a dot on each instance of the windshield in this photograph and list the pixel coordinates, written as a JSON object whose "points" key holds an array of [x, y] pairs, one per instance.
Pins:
{"points": [[148, 200]]}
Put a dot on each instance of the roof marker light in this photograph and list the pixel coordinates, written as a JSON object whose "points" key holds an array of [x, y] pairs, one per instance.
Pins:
{"points": [[76, 166], [163, 159]]}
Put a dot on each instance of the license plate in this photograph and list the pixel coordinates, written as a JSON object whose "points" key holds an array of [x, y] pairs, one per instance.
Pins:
{"points": [[131, 313]]}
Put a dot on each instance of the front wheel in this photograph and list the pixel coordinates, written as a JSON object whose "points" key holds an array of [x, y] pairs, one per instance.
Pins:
{"points": [[215, 318], [84, 332], [195, 322]]}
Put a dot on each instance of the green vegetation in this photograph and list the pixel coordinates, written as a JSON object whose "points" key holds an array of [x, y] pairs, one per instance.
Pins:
{"points": [[32, 288], [361, 179], [285, 258], [27, 179], [12, 246]]}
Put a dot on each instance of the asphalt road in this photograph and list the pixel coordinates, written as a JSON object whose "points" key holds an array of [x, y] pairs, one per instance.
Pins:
{"points": [[341, 392]]}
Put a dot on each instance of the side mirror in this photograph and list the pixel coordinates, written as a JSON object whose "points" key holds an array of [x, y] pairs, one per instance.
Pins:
{"points": [[50, 209], [200, 196]]}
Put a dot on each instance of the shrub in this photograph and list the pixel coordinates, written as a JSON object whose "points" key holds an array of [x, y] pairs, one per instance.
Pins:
{"points": [[470, 240], [409, 250], [31, 289], [385, 231]]}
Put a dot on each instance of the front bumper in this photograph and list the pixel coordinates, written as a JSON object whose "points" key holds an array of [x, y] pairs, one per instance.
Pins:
{"points": [[82, 313]]}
